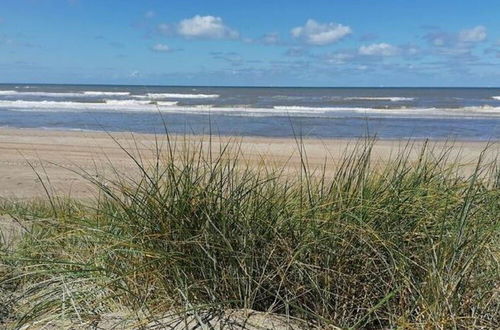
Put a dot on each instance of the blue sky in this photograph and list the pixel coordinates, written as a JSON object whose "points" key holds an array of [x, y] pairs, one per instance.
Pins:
{"points": [[269, 43]]}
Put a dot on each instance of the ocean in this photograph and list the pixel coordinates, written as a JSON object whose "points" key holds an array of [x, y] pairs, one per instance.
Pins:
{"points": [[388, 113]]}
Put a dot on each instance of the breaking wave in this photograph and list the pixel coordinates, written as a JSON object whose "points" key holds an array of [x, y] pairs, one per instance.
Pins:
{"points": [[99, 93], [64, 94], [379, 98], [178, 96], [61, 106], [241, 110], [137, 102]]}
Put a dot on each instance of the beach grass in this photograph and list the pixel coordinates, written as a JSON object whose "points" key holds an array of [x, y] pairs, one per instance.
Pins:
{"points": [[196, 232]]}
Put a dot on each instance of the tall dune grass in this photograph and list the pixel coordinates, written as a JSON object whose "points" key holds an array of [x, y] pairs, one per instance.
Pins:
{"points": [[409, 244]]}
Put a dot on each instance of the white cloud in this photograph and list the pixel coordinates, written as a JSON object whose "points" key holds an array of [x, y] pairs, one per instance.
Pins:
{"points": [[271, 39], [339, 57], [412, 50], [165, 29], [161, 48], [296, 52], [381, 49], [438, 41], [209, 27], [149, 14], [476, 34], [231, 57], [319, 34]]}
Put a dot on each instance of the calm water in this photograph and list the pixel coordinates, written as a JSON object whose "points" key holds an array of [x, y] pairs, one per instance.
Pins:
{"points": [[436, 113]]}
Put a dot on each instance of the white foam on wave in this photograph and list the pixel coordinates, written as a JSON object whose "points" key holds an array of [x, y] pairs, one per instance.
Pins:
{"points": [[496, 98], [61, 106], [465, 111], [64, 94], [125, 102], [203, 106], [172, 107], [99, 93], [49, 94], [179, 96], [167, 103], [483, 109], [302, 109], [379, 98], [298, 108], [138, 102], [164, 103]]}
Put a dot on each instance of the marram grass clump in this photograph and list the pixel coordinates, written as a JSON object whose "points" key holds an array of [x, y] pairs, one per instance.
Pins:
{"points": [[408, 244]]}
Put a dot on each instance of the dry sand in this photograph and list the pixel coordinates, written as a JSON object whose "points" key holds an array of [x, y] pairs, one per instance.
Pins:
{"points": [[56, 153]]}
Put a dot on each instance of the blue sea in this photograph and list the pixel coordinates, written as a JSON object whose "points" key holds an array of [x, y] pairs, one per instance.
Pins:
{"points": [[389, 113]]}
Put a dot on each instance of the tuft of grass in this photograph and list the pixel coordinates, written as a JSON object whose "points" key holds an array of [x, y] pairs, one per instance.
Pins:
{"points": [[407, 244]]}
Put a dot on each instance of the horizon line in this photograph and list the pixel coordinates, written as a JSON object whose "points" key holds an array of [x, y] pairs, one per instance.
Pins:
{"points": [[234, 86]]}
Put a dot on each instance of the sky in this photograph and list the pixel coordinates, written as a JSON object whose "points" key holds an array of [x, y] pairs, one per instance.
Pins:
{"points": [[251, 43]]}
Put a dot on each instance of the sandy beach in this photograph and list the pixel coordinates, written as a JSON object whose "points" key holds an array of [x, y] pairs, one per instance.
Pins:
{"points": [[57, 155], [226, 165]]}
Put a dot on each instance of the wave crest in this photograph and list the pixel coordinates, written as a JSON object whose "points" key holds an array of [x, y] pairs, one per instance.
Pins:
{"points": [[173, 107], [179, 96], [380, 98], [99, 93]]}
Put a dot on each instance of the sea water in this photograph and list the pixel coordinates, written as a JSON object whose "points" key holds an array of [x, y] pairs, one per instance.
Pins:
{"points": [[390, 113]]}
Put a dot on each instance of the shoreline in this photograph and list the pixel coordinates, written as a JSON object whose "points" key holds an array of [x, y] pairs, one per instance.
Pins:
{"points": [[56, 153], [249, 137]]}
